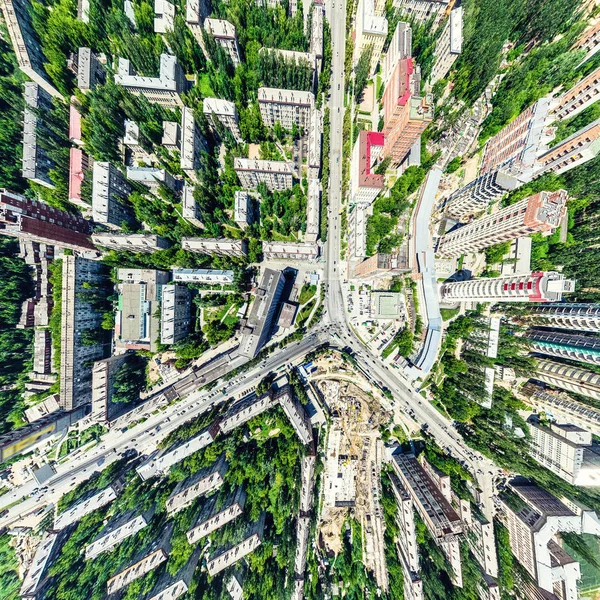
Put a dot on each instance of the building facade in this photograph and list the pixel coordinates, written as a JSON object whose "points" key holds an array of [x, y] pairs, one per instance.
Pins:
{"points": [[583, 348], [290, 251], [224, 34], [218, 246], [423, 11], [134, 242], [449, 45], [286, 107], [569, 378], [224, 113], [541, 213], [110, 191], [371, 32], [103, 378], [400, 48], [365, 184], [566, 315], [276, 175], [583, 94], [175, 313], [203, 276]]}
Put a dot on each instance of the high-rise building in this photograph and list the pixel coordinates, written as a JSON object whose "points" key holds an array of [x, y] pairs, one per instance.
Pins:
{"points": [[533, 287], [35, 221], [533, 531], [566, 315], [477, 195], [224, 34], [175, 313], [371, 33], [448, 46], [79, 315], [257, 329], [166, 89], [223, 112], [423, 11], [584, 348], [110, 191], [286, 107], [406, 113], [567, 451], [541, 213], [519, 142], [25, 42], [400, 48], [277, 175], [583, 94], [365, 184], [589, 41], [218, 246], [577, 149], [566, 377], [290, 251], [37, 164], [243, 209]]}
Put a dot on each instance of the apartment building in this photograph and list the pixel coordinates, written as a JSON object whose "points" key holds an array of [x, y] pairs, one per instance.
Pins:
{"points": [[400, 48], [79, 169], [583, 94], [36, 222], [531, 287], [566, 377], [423, 11], [213, 276], [243, 209], [314, 143], [200, 483], [365, 184], [169, 587], [313, 211], [37, 164], [382, 265], [477, 195], [295, 412], [104, 373], [371, 32], [152, 178], [357, 231], [589, 41], [132, 138], [276, 175], [518, 143], [257, 329], [244, 410], [26, 44], [164, 16], [78, 316], [316, 34], [110, 191], [448, 46], [134, 242], [166, 89], [576, 150], [229, 555], [192, 142], [406, 113], [286, 107], [540, 213], [171, 138], [290, 251], [193, 19], [190, 210], [75, 125], [175, 313], [224, 34], [214, 515], [568, 315], [90, 71], [218, 246], [137, 326], [222, 113], [567, 451], [582, 348]]}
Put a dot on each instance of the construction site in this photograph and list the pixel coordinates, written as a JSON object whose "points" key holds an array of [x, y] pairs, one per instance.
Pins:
{"points": [[354, 454]]}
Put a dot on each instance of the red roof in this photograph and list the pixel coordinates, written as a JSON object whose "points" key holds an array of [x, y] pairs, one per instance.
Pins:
{"points": [[367, 140]]}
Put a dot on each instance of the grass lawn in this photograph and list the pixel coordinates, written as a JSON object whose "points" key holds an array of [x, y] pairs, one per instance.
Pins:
{"points": [[204, 83], [449, 313], [307, 292], [304, 313]]}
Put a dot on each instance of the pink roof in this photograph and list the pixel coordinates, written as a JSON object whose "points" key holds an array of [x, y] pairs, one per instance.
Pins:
{"points": [[75, 173], [74, 123], [406, 68], [367, 140]]}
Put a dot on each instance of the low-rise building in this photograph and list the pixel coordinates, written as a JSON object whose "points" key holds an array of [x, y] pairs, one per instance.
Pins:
{"points": [[214, 515], [193, 19], [166, 89], [287, 315], [316, 34], [295, 413], [290, 251], [132, 136], [286, 107], [244, 410], [79, 168], [200, 483], [90, 71], [423, 11], [213, 276], [243, 209], [134, 242], [382, 265], [222, 113], [175, 313], [225, 557], [110, 191], [365, 184], [190, 210], [224, 34], [276, 175], [218, 246]]}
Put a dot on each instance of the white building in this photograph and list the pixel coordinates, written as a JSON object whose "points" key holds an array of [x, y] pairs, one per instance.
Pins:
{"points": [[218, 246], [110, 191], [87, 505], [357, 230], [371, 31], [152, 178], [316, 34], [165, 89], [190, 211], [365, 184], [290, 250], [224, 34], [134, 242], [243, 209], [277, 175], [314, 143], [90, 71], [175, 313], [313, 211], [191, 143], [164, 16], [193, 18], [422, 11], [131, 138], [223, 112], [449, 46], [212, 276], [400, 47], [286, 107], [171, 138]]}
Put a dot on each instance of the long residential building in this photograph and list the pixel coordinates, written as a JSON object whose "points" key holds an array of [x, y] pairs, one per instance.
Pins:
{"points": [[192, 142], [400, 48], [104, 373], [566, 377], [36, 222], [224, 34], [423, 11], [110, 191], [212, 276], [90, 71], [406, 113], [448, 46], [190, 210], [583, 94], [286, 107], [222, 113], [295, 413], [532, 287], [313, 211], [78, 316], [276, 175], [257, 329], [365, 184], [541, 213], [168, 587], [371, 33], [290, 251], [244, 410], [589, 41], [166, 89], [175, 313], [134, 242], [567, 451], [217, 246], [567, 315], [583, 348]]}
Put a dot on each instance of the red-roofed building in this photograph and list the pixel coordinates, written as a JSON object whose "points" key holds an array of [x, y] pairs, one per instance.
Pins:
{"points": [[79, 163], [365, 184], [75, 125]]}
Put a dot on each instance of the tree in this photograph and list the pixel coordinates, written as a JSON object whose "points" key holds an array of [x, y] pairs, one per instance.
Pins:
{"points": [[361, 73]]}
